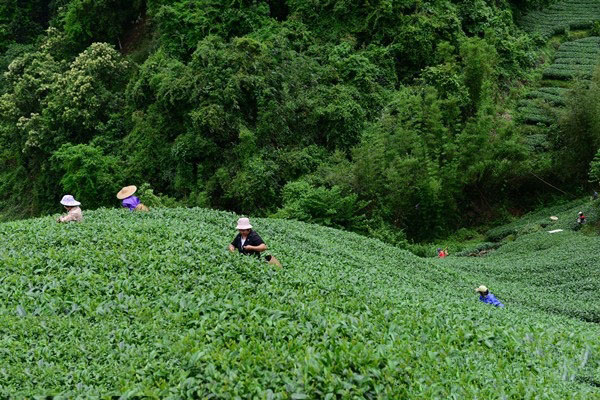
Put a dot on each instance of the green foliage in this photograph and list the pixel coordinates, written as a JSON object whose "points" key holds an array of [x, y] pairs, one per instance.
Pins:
{"points": [[562, 15], [479, 62], [595, 168], [21, 21], [184, 23], [329, 207], [49, 103], [539, 221], [152, 305], [87, 21], [399, 104], [149, 198], [579, 135], [576, 59], [87, 173]]}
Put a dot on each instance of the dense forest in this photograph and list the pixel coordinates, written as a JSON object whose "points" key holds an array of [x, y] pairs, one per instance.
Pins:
{"points": [[392, 118]]}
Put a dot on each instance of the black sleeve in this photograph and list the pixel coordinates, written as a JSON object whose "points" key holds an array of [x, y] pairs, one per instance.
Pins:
{"points": [[255, 240], [236, 241]]}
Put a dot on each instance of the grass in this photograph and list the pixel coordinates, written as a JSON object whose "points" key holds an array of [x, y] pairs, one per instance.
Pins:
{"points": [[152, 305]]}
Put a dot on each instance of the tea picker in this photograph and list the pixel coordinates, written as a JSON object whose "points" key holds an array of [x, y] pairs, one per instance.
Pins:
{"points": [[442, 253], [73, 210], [486, 297], [247, 241], [130, 201]]}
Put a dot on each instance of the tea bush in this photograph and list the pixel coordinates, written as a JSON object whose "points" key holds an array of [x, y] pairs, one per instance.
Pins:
{"points": [[152, 305]]}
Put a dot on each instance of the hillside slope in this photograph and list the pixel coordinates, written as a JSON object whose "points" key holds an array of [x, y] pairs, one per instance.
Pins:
{"points": [[153, 305]]}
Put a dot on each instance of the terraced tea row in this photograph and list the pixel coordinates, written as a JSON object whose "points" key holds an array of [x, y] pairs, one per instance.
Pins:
{"points": [[562, 15], [573, 60], [576, 59]]}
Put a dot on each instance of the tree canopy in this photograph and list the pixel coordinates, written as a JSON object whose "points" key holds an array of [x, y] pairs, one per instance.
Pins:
{"points": [[387, 117]]}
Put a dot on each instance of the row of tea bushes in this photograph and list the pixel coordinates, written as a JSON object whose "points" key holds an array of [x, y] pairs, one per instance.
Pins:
{"points": [[562, 15], [152, 305]]}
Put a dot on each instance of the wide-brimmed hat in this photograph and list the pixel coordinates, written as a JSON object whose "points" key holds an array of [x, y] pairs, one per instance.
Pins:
{"points": [[69, 201], [481, 289], [243, 223], [126, 192]]}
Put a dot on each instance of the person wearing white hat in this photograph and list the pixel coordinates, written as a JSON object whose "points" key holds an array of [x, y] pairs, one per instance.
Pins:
{"points": [[73, 211], [247, 241], [129, 200], [486, 297]]}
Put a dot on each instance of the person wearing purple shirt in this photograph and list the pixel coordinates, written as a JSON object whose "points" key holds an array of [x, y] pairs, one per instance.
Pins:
{"points": [[486, 297], [129, 200]]}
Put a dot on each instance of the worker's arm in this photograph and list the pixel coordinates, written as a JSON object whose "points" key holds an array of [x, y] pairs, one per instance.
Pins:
{"points": [[260, 248]]}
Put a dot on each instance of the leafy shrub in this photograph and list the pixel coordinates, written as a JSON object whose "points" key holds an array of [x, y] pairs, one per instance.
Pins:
{"points": [[88, 174], [150, 199], [595, 168], [87, 21], [329, 207]]}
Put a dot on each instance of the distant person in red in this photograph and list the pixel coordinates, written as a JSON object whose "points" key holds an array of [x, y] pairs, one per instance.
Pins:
{"points": [[580, 218], [442, 253]]}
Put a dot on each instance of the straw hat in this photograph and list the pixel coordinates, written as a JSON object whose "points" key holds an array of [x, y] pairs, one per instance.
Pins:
{"points": [[243, 223], [126, 192], [69, 201], [481, 289]]}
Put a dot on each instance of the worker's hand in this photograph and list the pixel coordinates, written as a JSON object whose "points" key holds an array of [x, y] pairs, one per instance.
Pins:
{"points": [[249, 248], [231, 248]]}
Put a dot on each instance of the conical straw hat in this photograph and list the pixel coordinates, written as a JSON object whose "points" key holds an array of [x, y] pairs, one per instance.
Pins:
{"points": [[126, 192]]}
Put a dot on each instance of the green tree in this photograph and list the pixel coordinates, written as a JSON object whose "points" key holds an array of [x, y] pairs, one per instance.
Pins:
{"points": [[479, 59], [595, 168], [320, 205], [88, 174], [87, 21]]}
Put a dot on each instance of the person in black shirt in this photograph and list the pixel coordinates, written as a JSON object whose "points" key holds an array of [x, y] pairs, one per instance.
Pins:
{"points": [[247, 242]]}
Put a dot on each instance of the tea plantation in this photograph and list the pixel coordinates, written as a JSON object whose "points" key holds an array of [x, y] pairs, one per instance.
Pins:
{"points": [[562, 15], [576, 59], [152, 305], [573, 60]]}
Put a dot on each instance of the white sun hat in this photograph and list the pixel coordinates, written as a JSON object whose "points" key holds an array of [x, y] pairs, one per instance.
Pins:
{"points": [[243, 223], [69, 201], [481, 289]]}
